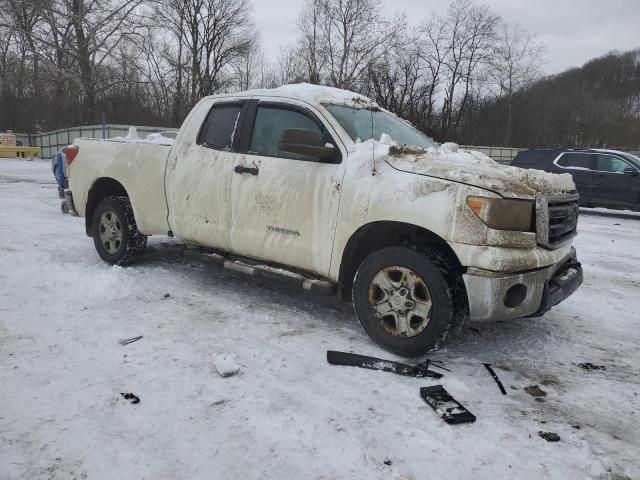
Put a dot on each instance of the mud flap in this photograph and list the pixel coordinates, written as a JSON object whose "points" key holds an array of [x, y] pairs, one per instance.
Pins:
{"points": [[449, 409]]}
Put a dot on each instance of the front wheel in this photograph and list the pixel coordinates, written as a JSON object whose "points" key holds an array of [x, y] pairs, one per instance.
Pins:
{"points": [[115, 233], [406, 299]]}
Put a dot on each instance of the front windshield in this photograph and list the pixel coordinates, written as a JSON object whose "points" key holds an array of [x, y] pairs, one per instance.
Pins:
{"points": [[633, 158], [366, 123]]}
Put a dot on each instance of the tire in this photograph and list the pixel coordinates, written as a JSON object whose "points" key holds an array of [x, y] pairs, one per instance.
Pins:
{"points": [[115, 234], [408, 301]]}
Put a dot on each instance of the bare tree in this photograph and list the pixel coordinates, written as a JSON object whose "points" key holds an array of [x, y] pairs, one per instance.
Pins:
{"points": [[248, 66], [470, 33], [515, 64], [310, 35], [97, 29], [400, 80], [340, 38]]}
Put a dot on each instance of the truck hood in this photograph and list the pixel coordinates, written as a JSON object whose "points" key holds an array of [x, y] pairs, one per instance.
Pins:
{"points": [[449, 162]]}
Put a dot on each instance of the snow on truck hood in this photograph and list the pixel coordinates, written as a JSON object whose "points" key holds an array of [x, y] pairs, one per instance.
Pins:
{"points": [[449, 162]]}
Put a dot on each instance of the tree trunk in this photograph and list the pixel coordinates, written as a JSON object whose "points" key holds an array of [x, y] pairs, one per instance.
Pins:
{"points": [[84, 61]]}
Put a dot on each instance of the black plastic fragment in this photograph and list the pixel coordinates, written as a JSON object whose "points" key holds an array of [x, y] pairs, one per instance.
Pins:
{"points": [[495, 377], [449, 409], [591, 367], [549, 436], [133, 399], [373, 363], [127, 341]]}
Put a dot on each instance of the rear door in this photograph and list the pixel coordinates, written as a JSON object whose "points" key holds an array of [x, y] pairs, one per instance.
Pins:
{"points": [[580, 165], [612, 187], [284, 206], [199, 177]]}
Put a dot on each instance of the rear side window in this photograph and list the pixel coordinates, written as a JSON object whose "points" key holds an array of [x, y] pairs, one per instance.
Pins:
{"points": [[531, 158], [220, 127], [577, 161], [610, 163], [270, 124]]}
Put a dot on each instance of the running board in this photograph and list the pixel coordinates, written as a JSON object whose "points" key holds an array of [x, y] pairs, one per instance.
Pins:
{"points": [[258, 270]]}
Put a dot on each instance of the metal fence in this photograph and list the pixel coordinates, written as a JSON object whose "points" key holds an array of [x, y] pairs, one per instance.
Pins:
{"points": [[51, 142], [499, 154]]}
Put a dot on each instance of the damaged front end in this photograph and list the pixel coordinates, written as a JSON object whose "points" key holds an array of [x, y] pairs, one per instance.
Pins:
{"points": [[506, 296], [531, 291]]}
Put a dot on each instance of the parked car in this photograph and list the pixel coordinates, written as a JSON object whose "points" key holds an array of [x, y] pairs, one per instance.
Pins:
{"points": [[604, 178], [324, 185]]}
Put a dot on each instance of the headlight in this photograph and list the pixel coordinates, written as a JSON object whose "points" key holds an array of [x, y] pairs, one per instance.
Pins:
{"points": [[504, 214]]}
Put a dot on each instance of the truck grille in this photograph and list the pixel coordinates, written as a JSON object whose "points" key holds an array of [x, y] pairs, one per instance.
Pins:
{"points": [[556, 220]]}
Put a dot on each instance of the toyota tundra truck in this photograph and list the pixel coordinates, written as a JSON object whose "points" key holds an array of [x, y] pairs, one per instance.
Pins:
{"points": [[324, 185]]}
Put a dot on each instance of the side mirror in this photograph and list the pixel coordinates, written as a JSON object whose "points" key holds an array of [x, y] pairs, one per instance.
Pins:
{"points": [[305, 142], [632, 172]]}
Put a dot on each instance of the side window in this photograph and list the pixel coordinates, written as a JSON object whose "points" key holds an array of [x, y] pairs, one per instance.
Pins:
{"points": [[609, 163], [577, 161], [219, 129], [270, 124]]}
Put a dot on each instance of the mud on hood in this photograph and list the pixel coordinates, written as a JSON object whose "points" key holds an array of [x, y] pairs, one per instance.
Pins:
{"points": [[474, 168]]}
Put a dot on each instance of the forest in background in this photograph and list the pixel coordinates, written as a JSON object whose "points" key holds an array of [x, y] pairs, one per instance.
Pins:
{"points": [[463, 75]]}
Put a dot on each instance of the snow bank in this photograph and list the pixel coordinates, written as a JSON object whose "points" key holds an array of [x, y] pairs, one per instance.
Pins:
{"points": [[152, 138], [449, 162]]}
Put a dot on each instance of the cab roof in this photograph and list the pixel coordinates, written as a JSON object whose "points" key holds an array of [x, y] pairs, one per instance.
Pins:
{"points": [[317, 94]]}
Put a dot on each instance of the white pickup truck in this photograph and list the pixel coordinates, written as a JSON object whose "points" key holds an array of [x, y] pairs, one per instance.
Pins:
{"points": [[326, 185]]}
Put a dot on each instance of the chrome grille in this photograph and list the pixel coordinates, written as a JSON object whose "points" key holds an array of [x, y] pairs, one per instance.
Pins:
{"points": [[556, 220]]}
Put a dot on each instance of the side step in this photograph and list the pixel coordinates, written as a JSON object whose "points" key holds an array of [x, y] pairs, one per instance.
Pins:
{"points": [[252, 268], [258, 270]]}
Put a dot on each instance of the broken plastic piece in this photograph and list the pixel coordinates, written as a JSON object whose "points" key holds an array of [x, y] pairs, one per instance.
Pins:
{"points": [[549, 436], [590, 366], [449, 409], [495, 377], [372, 363], [133, 399]]}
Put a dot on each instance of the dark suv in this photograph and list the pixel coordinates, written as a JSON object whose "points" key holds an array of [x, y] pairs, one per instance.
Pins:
{"points": [[604, 178]]}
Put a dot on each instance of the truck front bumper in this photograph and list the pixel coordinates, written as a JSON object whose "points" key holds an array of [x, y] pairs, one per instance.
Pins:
{"points": [[505, 296]]}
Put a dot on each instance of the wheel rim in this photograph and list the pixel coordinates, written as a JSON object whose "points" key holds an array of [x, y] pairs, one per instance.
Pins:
{"points": [[110, 232], [401, 301]]}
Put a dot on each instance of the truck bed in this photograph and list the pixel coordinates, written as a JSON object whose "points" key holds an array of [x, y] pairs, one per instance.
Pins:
{"points": [[138, 167]]}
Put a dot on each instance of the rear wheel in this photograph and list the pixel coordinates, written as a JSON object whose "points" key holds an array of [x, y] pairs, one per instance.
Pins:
{"points": [[406, 300], [115, 234]]}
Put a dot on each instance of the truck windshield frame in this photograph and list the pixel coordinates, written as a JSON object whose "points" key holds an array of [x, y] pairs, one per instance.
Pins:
{"points": [[370, 123]]}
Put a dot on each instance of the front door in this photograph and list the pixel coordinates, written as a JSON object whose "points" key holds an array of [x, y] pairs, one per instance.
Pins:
{"points": [[284, 206], [612, 187]]}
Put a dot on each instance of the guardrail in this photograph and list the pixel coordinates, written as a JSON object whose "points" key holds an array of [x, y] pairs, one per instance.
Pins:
{"points": [[51, 142]]}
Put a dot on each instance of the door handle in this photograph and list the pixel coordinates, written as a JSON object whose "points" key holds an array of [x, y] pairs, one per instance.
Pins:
{"points": [[250, 170]]}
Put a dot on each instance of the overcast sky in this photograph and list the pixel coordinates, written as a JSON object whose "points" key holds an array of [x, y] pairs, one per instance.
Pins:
{"points": [[574, 31]]}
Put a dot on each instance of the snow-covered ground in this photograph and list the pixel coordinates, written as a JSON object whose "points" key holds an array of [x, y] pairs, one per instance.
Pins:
{"points": [[287, 414]]}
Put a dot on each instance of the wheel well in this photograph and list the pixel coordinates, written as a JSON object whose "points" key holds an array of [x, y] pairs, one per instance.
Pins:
{"points": [[377, 235], [101, 188]]}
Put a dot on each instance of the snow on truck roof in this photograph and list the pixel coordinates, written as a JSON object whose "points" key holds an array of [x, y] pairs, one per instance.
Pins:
{"points": [[314, 94]]}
